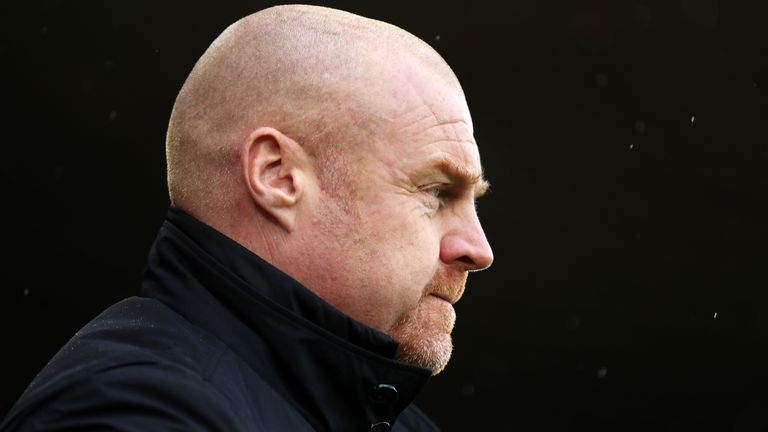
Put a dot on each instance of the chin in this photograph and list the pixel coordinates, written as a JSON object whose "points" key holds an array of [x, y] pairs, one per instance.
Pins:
{"points": [[432, 355], [424, 335]]}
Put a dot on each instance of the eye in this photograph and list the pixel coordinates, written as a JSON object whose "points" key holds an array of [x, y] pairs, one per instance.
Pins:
{"points": [[435, 195], [435, 191]]}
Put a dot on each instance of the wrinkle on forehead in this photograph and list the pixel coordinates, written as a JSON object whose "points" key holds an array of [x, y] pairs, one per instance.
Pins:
{"points": [[434, 107], [431, 136], [426, 119]]}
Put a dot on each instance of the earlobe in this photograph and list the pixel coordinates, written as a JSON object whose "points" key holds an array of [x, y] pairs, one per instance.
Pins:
{"points": [[273, 172]]}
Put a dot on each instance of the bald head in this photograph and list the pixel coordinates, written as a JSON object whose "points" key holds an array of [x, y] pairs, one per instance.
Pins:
{"points": [[317, 75]]}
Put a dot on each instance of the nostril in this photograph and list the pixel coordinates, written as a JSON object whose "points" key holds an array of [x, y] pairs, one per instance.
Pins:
{"points": [[465, 251]]}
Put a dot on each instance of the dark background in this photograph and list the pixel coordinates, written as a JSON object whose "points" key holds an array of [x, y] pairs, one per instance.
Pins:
{"points": [[626, 143]]}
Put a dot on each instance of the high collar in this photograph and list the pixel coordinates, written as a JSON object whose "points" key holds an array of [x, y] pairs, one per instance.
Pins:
{"points": [[328, 363]]}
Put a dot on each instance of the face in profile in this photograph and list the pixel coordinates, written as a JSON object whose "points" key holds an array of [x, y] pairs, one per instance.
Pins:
{"points": [[390, 240], [411, 235]]}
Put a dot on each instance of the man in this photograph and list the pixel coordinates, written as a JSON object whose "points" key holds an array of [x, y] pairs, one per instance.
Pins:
{"points": [[322, 174]]}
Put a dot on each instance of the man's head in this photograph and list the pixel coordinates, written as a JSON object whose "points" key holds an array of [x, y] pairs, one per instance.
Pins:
{"points": [[340, 150]]}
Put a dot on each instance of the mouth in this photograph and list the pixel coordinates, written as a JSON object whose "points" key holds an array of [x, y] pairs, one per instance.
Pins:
{"points": [[446, 297], [447, 287]]}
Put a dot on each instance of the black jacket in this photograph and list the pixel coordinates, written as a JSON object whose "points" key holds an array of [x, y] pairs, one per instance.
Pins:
{"points": [[221, 341]]}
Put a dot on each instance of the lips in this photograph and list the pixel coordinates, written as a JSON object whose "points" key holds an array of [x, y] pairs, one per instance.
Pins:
{"points": [[448, 287], [448, 298]]}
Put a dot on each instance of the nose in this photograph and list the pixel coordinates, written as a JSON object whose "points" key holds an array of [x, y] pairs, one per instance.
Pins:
{"points": [[465, 247]]}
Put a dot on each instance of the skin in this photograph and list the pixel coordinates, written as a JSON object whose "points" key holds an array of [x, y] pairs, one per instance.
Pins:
{"points": [[356, 172]]}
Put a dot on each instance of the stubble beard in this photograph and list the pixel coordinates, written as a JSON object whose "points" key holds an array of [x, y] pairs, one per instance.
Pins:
{"points": [[424, 332]]}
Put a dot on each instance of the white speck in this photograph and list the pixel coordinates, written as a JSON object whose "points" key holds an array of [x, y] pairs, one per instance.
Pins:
{"points": [[26, 292], [112, 115], [602, 372], [437, 38], [715, 316], [631, 146], [693, 118]]}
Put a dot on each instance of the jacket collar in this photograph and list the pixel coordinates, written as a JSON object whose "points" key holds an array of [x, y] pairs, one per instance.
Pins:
{"points": [[328, 364]]}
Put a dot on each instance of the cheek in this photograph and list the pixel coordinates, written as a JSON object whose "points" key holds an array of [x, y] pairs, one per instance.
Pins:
{"points": [[407, 253], [407, 238], [389, 252]]}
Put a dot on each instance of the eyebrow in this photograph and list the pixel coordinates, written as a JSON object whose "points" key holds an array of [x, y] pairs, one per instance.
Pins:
{"points": [[461, 175]]}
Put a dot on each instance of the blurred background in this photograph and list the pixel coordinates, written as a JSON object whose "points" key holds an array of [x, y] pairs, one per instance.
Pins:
{"points": [[627, 146]]}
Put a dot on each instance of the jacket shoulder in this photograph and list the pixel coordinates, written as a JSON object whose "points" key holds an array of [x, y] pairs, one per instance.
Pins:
{"points": [[135, 397], [137, 366], [135, 330]]}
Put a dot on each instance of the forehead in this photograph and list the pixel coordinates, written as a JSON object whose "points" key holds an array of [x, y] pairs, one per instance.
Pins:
{"points": [[428, 123]]}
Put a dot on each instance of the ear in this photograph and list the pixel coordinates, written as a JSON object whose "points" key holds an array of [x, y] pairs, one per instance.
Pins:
{"points": [[275, 174]]}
